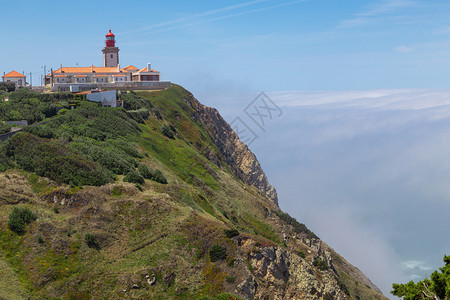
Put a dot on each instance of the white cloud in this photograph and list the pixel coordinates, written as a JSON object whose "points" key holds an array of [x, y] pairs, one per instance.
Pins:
{"points": [[199, 18], [415, 265], [403, 49], [375, 11]]}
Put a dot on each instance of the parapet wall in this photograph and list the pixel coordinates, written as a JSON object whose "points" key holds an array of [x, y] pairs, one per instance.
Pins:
{"points": [[127, 85]]}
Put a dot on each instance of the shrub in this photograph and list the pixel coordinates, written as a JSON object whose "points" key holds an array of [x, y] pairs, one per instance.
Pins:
{"points": [[155, 175], [320, 264], [230, 233], [19, 218], [298, 227], [134, 177], [301, 254], [230, 279], [55, 160], [63, 111], [91, 241], [217, 252], [139, 115], [167, 131], [4, 127], [145, 171], [7, 86], [159, 177]]}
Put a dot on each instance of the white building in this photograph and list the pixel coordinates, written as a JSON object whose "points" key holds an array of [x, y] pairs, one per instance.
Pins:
{"points": [[19, 79], [111, 75]]}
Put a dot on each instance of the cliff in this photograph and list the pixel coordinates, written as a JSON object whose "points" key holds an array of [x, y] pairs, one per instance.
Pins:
{"points": [[236, 154], [204, 222]]}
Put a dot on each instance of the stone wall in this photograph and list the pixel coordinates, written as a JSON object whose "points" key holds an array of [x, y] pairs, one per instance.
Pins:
{"points": [[127, 85]]}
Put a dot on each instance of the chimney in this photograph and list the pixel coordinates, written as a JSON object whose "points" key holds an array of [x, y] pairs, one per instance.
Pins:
{"points": [[118, 68], [92, 68], [60, 67], [149, 69]]}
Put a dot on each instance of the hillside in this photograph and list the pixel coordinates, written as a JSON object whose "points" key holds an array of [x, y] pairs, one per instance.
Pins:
{"points": [[204, 222]]}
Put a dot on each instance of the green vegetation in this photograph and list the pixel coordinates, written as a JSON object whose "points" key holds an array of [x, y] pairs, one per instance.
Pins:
{"points": [[320, 263], [7, 86], [52, 159], [101, 240], [301, 254], [436, 287], [155, 175], [19, 218], [217, 252], [34, 107], [134, 177], [167, 131], [231, 233], [298, 227], [4, 127], [91, 241]]}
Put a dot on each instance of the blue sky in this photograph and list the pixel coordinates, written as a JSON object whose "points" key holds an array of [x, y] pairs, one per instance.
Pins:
{"points": [[254, 45], [363, 86]]}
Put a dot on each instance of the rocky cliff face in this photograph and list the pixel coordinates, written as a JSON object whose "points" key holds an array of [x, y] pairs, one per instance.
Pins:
{"points": [[270, 272], [236, 154]]}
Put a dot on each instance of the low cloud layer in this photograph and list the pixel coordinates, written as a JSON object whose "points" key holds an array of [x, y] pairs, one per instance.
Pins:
{"points": [[366, 170]]}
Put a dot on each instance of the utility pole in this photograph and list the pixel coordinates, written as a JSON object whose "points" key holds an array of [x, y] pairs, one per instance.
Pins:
{"points": [[45, 74], [31, 80]]}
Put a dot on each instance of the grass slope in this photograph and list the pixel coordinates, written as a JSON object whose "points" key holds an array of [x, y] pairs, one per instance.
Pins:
{"points": [[113, 240]]}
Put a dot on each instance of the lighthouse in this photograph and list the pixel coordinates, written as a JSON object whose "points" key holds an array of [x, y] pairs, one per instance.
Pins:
{"points": [[110, 51]]}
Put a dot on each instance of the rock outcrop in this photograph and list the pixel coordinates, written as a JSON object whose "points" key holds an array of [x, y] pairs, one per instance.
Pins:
{"points": [[236, 154]]}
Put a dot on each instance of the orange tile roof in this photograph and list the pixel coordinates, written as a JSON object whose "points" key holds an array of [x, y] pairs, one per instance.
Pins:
{"points": [[89, 92], [131, 68], [80, 76], [13, 74], [145, 70], [59, 76], [99, 75], [119, 75]]}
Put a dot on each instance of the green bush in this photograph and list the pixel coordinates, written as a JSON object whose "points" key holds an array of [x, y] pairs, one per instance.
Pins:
{"points": [[139, 115], [155, 175], [63, 111], [51, 158], [217, 252], [159, 177], [7, 86], [167, 131], [298, 227], [91, 241], [134, 177], [320, 264], [4, 127], [230, 233], [301, 254], [19, 218], [145, 171]]}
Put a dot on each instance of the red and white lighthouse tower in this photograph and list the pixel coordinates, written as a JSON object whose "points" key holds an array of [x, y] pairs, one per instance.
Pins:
{"points": [[110, 51]]}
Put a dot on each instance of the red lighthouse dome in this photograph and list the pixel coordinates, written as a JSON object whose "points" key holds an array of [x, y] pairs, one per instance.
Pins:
{"points": [[110, 39]]}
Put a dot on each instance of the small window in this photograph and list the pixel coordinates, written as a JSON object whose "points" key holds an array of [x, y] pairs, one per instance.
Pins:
{"points": [[111, 56]]}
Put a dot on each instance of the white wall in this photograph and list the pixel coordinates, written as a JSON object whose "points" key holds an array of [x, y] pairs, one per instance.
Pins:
{"points": [[107, 98]]}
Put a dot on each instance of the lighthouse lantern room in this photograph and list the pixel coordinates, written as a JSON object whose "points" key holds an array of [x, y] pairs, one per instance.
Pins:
{"points": [[110, 51], [110, 39]]}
